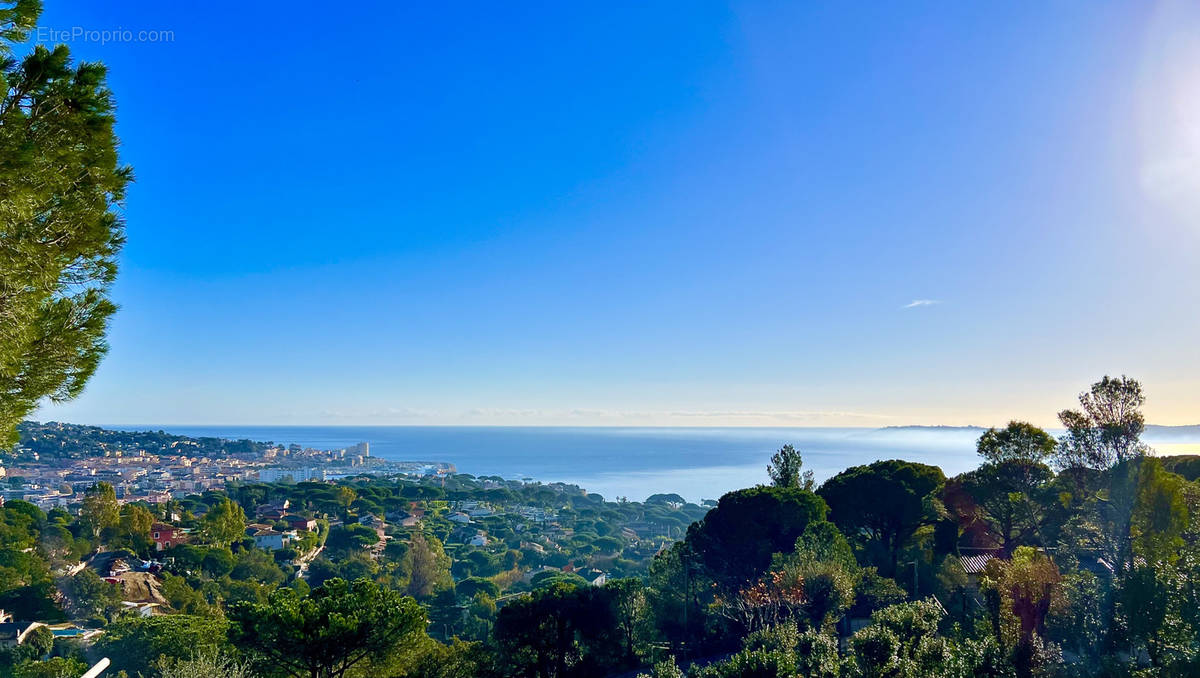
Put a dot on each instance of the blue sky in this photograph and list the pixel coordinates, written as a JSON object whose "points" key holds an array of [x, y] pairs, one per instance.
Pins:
{"points": [[649, 213]]}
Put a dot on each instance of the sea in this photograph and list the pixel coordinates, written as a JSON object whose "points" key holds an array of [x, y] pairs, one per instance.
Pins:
{"points": [[696, 463]]}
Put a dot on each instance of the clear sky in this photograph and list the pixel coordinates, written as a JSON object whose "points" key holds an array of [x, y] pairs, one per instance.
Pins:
{"points": [[649, 213]]}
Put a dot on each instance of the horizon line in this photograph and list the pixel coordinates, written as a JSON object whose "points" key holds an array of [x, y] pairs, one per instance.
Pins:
{"points": [[551, 426]]}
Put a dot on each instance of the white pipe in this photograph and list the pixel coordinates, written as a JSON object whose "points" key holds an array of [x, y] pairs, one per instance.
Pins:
{"points": [[95, 670]]}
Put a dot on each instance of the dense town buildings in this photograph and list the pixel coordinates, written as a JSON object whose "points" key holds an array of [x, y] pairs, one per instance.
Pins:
{"points": [[155, 468]]}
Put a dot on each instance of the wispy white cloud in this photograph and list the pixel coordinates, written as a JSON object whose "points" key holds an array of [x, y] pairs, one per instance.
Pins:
{"points": [[917, 303]]}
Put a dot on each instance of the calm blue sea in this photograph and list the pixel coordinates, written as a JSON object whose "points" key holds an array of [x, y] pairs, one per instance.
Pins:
{"points": [[698, 463]]}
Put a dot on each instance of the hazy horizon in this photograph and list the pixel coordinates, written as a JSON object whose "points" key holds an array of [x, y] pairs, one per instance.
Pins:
{"points": [[697, 462]]}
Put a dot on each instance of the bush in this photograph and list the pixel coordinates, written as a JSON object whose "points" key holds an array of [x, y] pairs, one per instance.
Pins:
{"points": [[902, 640], [56, 667], [752, 664], [817, 655], [470, 586], [134, 644], [663, 669], [874, 592], [205, 664], [779, 638]]}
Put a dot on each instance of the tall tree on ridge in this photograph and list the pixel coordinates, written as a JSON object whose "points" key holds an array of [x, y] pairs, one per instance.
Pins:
{"points": [[1103, 441], [1107, 429], [785, 469]]}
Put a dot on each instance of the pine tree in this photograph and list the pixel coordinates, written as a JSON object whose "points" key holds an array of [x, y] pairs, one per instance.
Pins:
{"points": [[61, 184]]}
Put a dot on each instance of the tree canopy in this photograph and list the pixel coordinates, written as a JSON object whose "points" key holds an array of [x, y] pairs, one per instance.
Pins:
{"points": [[337, 627], [134, 644], [1106, 430], [224, 523], [884, 502], [736, 540], [61, 186], [1019, 441]]}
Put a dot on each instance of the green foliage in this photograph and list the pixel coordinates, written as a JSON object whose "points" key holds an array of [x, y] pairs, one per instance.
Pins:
{"points": [[337, 627], [1078, 625], [257, 565], [784, 650], [1021, 592], [351, 538], [470, 586], [817, 656], [457, 659], [38, 642], [551, 578], [1119, 590], [20, 524], [91, 596], [427, 565], [26, 587], [182, 597], [628, 604], [1006, 502], [1160, 514], [608, 545], [1018, 442], [100, 510], [54, 667], [61, 185], [785, 469], [784, 637], [1106, 430], [206, 664], [1145, 599], [17, 18], [136, 644], [752, 664], [828, 593], [218, 562], [663, 669], [901, 496], [133, 529], [823, 542], [736, 540], [224, 523], [559, 631], [1185, 465], [57, 440], [902, 640], [824, 565]]}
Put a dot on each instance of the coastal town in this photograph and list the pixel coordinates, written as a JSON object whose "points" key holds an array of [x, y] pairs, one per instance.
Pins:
{"points": [[57, 461]]}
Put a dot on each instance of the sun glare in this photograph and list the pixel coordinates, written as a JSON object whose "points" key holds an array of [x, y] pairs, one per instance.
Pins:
{"points": [[1170, 107]]}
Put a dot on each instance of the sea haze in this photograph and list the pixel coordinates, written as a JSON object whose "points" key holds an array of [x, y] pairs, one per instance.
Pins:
{"points": [[698, 463]]}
